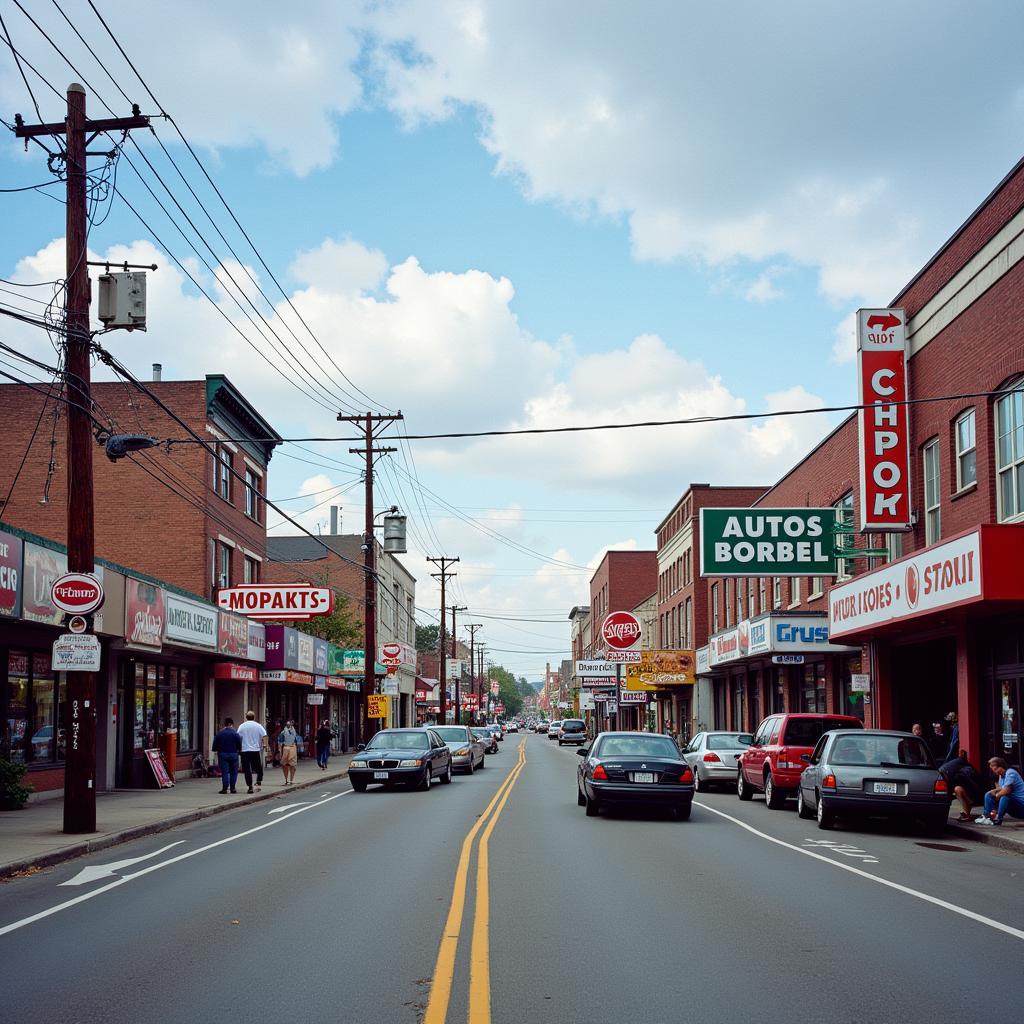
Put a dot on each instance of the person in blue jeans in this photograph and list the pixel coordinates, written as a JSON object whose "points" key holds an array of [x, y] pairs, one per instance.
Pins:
{"points": [[1006, 798], [227, 745]]}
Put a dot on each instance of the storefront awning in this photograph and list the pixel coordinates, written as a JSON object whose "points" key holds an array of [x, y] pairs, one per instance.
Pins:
{"points": [[771, 635], [238, 673]]}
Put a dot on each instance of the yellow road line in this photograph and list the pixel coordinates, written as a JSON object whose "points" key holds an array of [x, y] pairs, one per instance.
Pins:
{"points": [[444, 967], [480, 954]]}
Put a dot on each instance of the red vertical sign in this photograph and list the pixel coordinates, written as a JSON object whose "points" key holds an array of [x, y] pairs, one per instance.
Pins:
{"points": [[885, 424]]}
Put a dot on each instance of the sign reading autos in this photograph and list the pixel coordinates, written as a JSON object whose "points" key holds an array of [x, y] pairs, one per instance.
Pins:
{"points": [[767, 542]]}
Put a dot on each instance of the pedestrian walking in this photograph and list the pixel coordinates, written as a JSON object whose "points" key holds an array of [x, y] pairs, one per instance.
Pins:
{"points": [[275, 752], [954, 737], [288, 751], [324, 735], [227, 745], [254, 744], [1005, 798]]}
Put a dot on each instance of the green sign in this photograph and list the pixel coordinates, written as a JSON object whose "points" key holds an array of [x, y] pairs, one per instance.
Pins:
{"points": [[767, 542]]}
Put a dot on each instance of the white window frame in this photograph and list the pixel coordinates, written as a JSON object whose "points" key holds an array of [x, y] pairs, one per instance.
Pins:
{"points": [[751, 598], [1014, 400], [933, 502], [794, 591], [816, 589], [971, 449], [762, 589], [776, 592], [714, 608], [843, 506]]}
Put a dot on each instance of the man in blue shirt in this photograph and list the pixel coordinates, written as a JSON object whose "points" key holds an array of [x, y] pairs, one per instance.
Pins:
{"points": [[227, 745], [1006, 798]]}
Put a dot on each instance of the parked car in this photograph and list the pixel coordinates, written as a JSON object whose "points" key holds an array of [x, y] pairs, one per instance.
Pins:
{"points": [[411, 756], [773, 761], [554, 728], [713, 757], [542, 727], [467, 750], [574, 730], [873, 772], [486, 737], [633, 768], [513, 727]]}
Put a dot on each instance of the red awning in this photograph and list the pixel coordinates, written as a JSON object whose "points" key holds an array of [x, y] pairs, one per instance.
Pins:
{"points": [[238, 673]]}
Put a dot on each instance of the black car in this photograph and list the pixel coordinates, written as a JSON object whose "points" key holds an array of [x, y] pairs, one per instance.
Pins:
{"points": [[872, 772], [412, 757], [634, 768]]}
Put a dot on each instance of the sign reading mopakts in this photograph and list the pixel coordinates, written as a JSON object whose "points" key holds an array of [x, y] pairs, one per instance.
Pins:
{"points": [[276, 601], [767, 542]]}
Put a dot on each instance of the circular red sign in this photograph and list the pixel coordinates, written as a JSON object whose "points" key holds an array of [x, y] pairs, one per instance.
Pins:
{"points": [[621, 631], [913, 585], [77, 593]]}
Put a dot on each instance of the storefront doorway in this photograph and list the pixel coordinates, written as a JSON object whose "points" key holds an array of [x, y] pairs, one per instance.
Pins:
{"points": [[1009, 741], [923, 683]]}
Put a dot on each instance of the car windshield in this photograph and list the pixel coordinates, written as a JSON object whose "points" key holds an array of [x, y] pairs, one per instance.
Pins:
{"points": [[482, 733], [451, 733], [399, 741], [637, 746], [906, 751], [805, 732], [729, 740]]}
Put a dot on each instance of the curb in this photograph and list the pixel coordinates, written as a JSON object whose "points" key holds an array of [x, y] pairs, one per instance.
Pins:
{"points": [[989, 837], [47, 860]]}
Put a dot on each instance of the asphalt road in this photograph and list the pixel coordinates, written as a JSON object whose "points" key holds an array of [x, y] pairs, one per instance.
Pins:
{"points": [[332, 906]]}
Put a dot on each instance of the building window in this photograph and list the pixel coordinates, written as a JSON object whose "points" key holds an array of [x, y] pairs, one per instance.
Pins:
{"points": [[689, 623], [729, 584], [740, 601], [932, 499], [814, 588], [222, 470], [966, 451], [223, 565], [714, 607], [751, 599], [762, 586], [252, 570], [794, 590], [252, 495], [776, 591], [844, 517], [1010, 454]]}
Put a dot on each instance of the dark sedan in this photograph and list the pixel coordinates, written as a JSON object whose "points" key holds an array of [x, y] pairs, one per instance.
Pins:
{"points": [[487, 738], [633, 768], [870, 772], [414, 757]]}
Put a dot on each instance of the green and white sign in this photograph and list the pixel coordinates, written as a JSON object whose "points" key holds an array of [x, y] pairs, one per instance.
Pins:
{"points": [[767, 542]]}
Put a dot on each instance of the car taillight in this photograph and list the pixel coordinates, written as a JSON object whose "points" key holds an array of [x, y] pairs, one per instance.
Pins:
{"points": [[712, 757], [687, 775], [829, 782], [785, 762], [600, 773], [941, 786]]}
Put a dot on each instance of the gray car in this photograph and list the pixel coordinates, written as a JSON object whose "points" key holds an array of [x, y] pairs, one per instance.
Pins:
{"points": [[712, 757], [871, 772], [467, 750]]}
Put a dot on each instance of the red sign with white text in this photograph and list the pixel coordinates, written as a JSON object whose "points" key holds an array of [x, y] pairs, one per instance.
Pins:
{"points": [[621, 631], [884, 426]]}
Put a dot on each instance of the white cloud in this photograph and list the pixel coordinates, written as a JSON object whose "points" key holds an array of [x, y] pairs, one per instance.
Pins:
{"points": [[347, 266], [844, 344], [763, 288]]}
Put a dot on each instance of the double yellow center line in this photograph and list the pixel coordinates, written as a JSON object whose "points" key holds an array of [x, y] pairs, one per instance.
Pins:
{"points": [[480, 954]]}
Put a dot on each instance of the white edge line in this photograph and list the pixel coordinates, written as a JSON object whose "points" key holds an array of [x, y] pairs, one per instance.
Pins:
{"points": [[14, 926], [980, 918]]}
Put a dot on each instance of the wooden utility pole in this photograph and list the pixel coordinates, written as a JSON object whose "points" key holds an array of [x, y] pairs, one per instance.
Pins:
{"points": [[80, 751], [442, 561], [368, 421], [455, 654], [473, 627]]}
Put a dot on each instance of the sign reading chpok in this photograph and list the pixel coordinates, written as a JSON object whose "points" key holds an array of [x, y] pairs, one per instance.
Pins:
{"points": [[767, 542]]}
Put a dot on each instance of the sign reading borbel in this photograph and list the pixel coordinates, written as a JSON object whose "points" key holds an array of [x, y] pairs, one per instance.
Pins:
{"points": [[885, 423], [276, 601], [767, 542]]}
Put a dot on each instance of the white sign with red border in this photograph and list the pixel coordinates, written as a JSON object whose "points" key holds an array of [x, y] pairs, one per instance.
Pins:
{"points": [[884, 435], [620, 631], [276, 601], [633, 697], [624, 657], [77, 593]]}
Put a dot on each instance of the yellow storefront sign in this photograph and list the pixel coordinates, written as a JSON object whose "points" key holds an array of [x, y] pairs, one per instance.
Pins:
{"points": [[378, 705], [661, 668]]}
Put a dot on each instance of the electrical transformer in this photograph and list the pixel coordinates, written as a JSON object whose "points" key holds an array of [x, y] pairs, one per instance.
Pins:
{"points": [[122, 300]]}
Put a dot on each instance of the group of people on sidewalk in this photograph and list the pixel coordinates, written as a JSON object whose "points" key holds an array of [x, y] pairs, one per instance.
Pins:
{"points": [[246, 747]]}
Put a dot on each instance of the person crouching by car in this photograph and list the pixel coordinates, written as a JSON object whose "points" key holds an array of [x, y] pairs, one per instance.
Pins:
{"points": [[964, 783], [1006, 798]]}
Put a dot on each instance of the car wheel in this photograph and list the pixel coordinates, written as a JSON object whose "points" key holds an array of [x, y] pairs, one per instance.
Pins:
{"points": [[447, 777], [472, 766], [581, 800], [483, 761], [802, 810], [427, 778], [592, 806], [683, 811], [774, 797], [359, 787], [826, 818], [742, 789]]}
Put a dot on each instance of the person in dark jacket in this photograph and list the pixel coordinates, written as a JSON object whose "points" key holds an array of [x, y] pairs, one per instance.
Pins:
{"points": [[324, 735], [965, 782], [938, 743], [954, 737], [227, 745]]}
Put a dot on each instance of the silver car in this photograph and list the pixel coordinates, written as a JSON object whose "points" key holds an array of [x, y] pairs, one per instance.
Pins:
{"points": [[713, 757], [467, 750]]}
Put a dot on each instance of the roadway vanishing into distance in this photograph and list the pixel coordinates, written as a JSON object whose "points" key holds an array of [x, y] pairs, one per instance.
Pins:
{"points": [[496, 899]]}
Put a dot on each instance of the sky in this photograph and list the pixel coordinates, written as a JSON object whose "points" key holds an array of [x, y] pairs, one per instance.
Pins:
{"points": [[493, 215]]}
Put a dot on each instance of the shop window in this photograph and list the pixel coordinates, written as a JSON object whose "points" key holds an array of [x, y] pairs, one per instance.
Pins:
{"points": [[33, 732], [1010, 454], [966, 451], [252, 495], [714, 607], [932, 496], [16, 730], [844, 516], [794, 591]]}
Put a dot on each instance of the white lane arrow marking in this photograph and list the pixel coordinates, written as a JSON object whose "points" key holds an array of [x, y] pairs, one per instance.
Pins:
{"points": [[289, 807], [95, 871]]}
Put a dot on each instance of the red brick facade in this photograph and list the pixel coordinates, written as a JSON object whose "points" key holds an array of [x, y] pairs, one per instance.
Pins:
{"points": [[622, 581]]}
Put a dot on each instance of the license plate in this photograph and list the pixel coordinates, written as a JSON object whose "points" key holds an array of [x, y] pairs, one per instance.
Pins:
{"points": [[643, 776], [885, 788], [380, 775]]}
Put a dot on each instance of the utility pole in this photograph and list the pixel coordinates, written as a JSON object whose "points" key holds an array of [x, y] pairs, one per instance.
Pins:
{"points": [[80, 754], [442, 561], [367, 422], [473, 627], [455, 654]]}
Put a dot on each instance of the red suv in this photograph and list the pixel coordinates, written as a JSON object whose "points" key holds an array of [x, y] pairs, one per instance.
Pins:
{"points": [[774, 761]]}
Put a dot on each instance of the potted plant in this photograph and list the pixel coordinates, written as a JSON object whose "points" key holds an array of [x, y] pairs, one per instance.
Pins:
{"points": [[13, 795]]}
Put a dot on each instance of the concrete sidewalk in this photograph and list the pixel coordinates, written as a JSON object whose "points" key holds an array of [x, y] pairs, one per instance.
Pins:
{"points": [[1008, 836], [32, 837]]}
